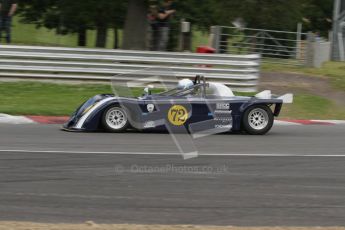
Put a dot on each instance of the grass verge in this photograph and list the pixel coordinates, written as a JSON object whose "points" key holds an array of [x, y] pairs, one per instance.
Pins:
{"points": [[36, 98], [308, 106]]}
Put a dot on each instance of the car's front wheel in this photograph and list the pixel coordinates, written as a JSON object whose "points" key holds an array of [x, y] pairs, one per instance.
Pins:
{"points": [[258, 120], [115, 119]]}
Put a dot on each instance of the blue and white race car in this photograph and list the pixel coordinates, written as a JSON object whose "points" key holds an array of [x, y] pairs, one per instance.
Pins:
{"points": [[193, 107]]}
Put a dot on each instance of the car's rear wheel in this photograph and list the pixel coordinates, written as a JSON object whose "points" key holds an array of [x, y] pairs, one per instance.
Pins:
{"points": [[115, 119], [258, 120]]}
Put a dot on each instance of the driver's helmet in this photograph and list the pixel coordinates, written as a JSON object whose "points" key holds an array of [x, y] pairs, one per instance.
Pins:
{"points": [[185, 84]]}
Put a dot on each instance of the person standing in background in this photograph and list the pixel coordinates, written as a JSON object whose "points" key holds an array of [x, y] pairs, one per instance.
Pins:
{"points": [[7, 10], [152, 18], [164, 15]]}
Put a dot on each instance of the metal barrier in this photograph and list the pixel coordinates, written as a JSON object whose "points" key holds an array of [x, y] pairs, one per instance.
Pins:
{"points": [[240, 72]]}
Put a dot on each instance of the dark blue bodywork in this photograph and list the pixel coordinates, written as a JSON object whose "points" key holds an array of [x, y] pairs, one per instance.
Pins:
{"points": [[203, 112]]}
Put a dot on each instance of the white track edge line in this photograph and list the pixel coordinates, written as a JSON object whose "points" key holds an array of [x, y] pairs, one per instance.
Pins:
{"points": [[170, 154]]}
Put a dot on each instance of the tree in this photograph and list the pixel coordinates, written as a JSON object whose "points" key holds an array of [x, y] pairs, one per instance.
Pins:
{"points": [[78, 16], [318, 16], [62, 15], [135, 25], [108, 14], [200, 15]]}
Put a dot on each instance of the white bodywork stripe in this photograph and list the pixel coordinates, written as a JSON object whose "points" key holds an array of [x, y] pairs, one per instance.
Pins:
{"points": [[85, 116]]}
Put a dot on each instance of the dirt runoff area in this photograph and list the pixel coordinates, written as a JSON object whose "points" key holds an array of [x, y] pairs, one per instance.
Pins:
{"points": [[281, 83], [94, 226]]}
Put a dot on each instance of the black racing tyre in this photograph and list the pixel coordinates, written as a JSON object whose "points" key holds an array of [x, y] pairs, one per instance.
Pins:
{"points": [[115, 119], [257, 120]]}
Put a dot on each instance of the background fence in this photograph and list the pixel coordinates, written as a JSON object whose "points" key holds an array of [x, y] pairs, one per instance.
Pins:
{"points": [[240, 72], [275, 46]]}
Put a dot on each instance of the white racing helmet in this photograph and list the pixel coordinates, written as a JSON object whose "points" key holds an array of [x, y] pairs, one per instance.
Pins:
{"points": [[185, 84]]}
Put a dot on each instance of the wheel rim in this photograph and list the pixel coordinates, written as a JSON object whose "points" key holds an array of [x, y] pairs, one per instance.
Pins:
{"points": [[116, 118], [258, 119]]}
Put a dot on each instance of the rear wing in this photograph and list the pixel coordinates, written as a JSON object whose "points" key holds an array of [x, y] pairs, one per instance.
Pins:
{"points": [[267, 94]]}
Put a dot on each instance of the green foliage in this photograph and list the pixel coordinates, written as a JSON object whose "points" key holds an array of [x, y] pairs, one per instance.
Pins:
{"points": [[201, 14], [265, 14], [318, 14], [75, 16], [68, 16], [47, 37]]}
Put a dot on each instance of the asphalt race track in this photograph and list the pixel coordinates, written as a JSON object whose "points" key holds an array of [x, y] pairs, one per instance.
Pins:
{"points": [[295, 176]]}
